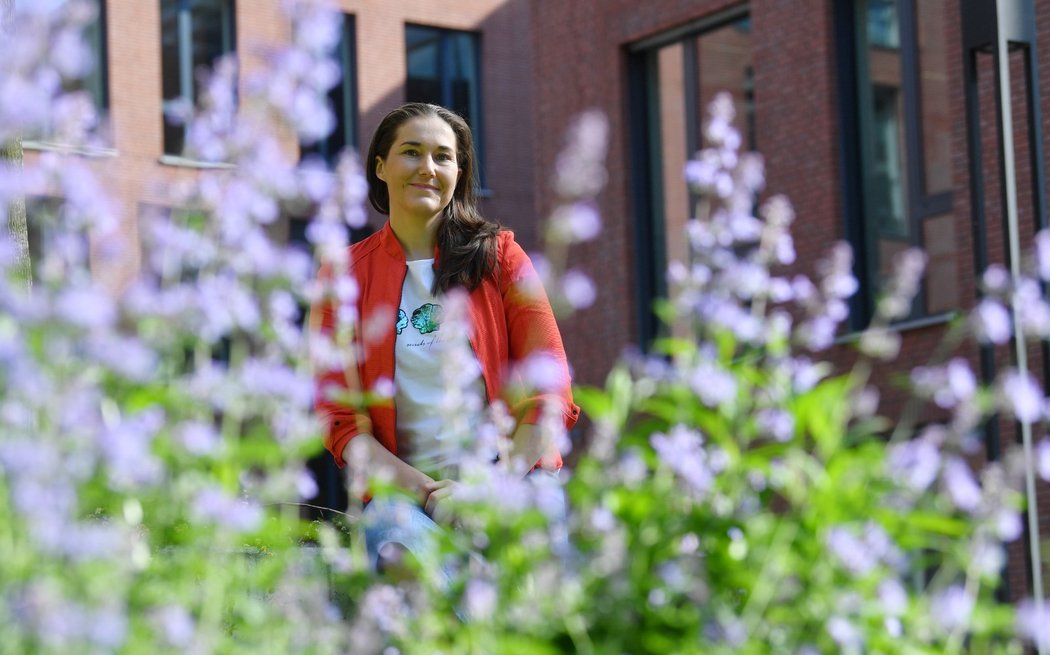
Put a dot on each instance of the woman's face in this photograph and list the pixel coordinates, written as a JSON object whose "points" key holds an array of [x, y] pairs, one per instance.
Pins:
{"points": [[420, 170]]}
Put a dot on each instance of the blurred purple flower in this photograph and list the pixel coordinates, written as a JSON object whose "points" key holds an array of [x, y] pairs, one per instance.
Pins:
{"points": [[576, 222], [991, 322], [126, 445], [175, 624], [850, 550], [682, 450], [88, 307], [542, 372], [1033, 622], [1022, 396], [579, 290], [776, 423], [893, 597], [1042, 255], [1042, 454], [952, 608], [213, 505], [915, 463], [845, 634], [579, 172], [1032, 308], [908, 267], [712, 384], [480, 599], [198, 438], [961, 485]]}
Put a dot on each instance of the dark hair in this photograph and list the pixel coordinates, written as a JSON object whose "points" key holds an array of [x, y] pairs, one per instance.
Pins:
{"points": [[466, 241]]}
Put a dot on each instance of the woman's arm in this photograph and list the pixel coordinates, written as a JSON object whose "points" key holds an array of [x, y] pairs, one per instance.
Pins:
{"points": [[367, 457]]}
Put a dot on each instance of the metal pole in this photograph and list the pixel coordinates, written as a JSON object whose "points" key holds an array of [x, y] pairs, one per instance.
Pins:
{"points": [[1014, 249]]}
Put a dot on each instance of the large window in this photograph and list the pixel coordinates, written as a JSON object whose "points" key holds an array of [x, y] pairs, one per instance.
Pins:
{"points": [[342, 99], [444, 69], [673, 78], [194, 33], [901, 128]]}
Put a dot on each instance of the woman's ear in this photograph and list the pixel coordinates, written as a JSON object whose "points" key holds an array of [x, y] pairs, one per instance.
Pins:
{"points": [[379, 168]]}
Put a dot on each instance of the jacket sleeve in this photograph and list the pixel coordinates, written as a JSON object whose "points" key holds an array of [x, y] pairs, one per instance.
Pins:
{"points": [[534, 339], [340, 422]]}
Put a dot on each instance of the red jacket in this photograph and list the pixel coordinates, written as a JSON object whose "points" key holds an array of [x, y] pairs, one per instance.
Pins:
{"points": [[508, 323]]}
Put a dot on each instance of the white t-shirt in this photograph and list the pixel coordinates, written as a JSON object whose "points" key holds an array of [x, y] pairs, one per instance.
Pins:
{"points": [[421, 350]]}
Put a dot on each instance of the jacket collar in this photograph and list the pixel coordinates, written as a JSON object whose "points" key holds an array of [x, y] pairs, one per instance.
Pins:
{"points": [[392, 246]]}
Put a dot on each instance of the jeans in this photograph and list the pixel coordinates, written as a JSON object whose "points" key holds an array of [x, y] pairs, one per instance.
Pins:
{"points": [[401, 521]]}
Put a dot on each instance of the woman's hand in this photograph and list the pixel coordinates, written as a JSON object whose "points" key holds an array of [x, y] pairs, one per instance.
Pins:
{"points": [[436, 505]]}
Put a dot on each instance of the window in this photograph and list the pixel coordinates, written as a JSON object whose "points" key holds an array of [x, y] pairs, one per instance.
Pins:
{"points": [[443, 69], [343, 100], [901, 162], [673, 78], [194, 34]]}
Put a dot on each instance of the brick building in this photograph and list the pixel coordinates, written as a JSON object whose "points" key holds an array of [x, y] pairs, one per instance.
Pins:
{"points": [[858, 107]]}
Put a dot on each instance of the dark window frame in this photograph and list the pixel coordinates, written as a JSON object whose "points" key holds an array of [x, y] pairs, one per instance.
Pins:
{"points": [[343, 98], [856, 144], [647, 202], [477, 122], [185, 69], [101, 95]]}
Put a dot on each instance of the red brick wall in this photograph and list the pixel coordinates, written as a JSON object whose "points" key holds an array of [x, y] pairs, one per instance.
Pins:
{"points": [[133, 40]]}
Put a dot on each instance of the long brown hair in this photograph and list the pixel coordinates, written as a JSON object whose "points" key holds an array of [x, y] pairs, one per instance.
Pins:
{"points": [[466, 241]]}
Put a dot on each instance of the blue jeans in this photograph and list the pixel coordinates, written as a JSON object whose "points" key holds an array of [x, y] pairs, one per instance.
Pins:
{"points": [[401, 521]]}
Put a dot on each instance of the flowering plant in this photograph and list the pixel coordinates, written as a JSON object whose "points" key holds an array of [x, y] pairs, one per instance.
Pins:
{"points": [[733, 494]]}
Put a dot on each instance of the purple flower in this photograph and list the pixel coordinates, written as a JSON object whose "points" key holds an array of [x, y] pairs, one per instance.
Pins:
{"points": [[579, 290], [836, 272], [1033, 621], [961, 485], [1021, 395], [845, 634], [1042, 254], [915, 463], [851, 551], [996, 279], [714, 385], [776, 423], [480, 598], [213, 505], [908, 267], [542, 371], [952, 608], [198, 438], [176, 625], [126, 446], [579, 172], [893, 597], [683, 452], [87, 307], [1042, 454], [576, 222], [991, 322], [1033, 311]]}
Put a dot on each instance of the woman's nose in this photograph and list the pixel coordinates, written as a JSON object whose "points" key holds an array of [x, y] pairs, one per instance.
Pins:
{"points": [[427, 165]]}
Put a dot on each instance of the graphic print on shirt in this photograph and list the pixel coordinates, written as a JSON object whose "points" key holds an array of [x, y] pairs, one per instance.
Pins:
{"points": [[402, 320], [427, 318]]}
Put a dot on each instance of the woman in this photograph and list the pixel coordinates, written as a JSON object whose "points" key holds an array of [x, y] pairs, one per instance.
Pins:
{"points": [[420, 171]]}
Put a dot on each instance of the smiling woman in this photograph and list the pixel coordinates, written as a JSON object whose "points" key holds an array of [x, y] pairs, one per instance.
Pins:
{"points": [[421, 173]]}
